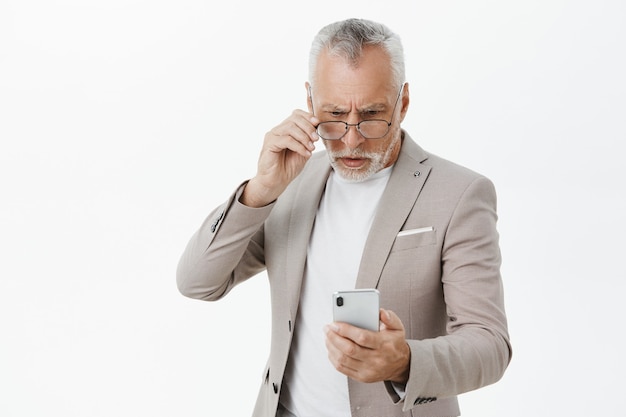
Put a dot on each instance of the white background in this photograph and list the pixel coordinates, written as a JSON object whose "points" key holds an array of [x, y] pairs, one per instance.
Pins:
{"points": [[123, 122]]}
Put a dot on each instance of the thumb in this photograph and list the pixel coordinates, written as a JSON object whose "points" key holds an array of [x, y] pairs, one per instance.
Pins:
{"points": [[390, 320]]}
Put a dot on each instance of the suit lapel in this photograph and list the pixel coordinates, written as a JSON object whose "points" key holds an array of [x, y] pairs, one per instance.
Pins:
{"points": [[306, 199], [406, 181]]}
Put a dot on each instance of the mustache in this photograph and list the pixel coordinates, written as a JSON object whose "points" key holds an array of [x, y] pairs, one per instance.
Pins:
{"points": [[357, 153]]}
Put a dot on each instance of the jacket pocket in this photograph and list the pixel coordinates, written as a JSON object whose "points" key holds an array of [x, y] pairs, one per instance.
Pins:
{"points": [[413, 238]]}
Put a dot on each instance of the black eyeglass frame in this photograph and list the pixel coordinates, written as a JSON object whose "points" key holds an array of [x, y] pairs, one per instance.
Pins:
{"points": [[357, 125]]}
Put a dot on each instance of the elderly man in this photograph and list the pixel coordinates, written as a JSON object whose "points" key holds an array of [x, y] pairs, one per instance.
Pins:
{"points": [[372, 211]]}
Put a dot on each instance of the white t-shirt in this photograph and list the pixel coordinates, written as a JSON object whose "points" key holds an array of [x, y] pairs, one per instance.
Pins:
{"points": [[312, 386]]}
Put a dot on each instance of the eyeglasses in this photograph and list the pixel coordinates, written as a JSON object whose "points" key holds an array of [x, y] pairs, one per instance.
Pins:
{"points": [[369, 129]]}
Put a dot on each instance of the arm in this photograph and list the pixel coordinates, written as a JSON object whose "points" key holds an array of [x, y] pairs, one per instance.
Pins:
{"points": [[228, 247], [226, 250], [476, 350]]}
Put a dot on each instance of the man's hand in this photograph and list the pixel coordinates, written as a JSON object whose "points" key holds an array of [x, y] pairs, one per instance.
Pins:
{"points": [[368, 356], [285, 150]]}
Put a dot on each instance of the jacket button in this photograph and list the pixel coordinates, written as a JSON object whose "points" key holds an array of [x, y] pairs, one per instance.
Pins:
{"points": [[275, 388], [216, 222], [424, 400]]}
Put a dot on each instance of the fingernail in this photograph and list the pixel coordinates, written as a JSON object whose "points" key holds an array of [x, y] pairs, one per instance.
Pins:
{"points": [[330, 327]]}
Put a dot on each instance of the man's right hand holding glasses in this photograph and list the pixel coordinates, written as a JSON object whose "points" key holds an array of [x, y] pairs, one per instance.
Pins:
{"points": [[286, 149]]}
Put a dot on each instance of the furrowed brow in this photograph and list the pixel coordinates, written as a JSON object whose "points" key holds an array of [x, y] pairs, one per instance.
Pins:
{"points": [[363, 109], [334, 108], [373, 107]]}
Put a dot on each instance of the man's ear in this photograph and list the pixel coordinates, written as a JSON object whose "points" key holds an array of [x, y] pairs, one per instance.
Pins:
{"points": [[405, 101], [309, 98]]}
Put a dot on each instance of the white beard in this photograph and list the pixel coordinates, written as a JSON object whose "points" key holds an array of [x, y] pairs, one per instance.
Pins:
{"points": [[377, 161]]}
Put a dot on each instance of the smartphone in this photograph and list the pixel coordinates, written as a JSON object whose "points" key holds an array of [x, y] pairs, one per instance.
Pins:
{"points": [[357, 307]]}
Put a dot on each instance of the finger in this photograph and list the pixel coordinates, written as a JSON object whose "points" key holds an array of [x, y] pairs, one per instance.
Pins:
{"points": [[301, 126], [361, 337], [307, 121], [279, 143], [390, 320], [355, 368], [337, 347]]}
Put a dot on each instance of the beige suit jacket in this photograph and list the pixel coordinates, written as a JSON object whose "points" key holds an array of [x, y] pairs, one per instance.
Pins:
{"points": [[444, 283]]}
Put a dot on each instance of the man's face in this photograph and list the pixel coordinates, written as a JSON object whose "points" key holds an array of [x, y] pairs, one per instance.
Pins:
{"points": [[343, 92]]}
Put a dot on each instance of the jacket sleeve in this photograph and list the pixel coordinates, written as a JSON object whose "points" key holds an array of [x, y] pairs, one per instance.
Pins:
{"points": [[226, 250], [475, 351]]}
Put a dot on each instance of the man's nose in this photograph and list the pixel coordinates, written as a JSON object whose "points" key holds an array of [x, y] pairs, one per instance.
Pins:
{"points": [[353, 137]]}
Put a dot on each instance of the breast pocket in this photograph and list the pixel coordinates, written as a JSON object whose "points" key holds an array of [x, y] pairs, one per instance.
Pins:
{"points": [[414, 238]]}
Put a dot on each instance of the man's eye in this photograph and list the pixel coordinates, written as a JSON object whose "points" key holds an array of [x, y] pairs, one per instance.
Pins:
{"points": [[370, 114], [336, 113]]}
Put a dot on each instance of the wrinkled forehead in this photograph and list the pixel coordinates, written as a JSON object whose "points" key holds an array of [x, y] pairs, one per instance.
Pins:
{"points": [[371, 71], [373, 64]]}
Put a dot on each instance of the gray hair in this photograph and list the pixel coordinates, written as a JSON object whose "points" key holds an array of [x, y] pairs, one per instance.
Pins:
{"points": [[348, 37]]}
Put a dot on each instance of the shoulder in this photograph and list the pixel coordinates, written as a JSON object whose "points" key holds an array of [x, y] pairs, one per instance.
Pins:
{"points": [[438, 166], [451, 170]]}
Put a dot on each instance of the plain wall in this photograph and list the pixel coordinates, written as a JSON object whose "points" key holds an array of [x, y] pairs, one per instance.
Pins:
{"points": [[124, 122]]}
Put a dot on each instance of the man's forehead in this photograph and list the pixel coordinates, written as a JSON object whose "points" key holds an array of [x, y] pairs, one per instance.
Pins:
{"points": [[347, 105], [372, 68]]}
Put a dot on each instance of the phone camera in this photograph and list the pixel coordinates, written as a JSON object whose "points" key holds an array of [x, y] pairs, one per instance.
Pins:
{"points": [[339, 301]]}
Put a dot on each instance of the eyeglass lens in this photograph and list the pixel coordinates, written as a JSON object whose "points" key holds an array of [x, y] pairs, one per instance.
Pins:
{"points": [[370, 129]]}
